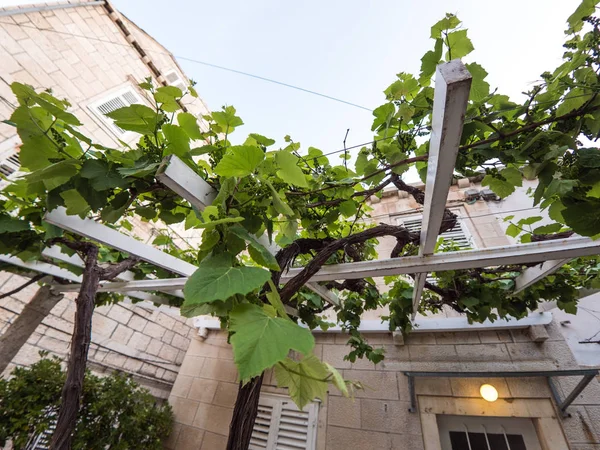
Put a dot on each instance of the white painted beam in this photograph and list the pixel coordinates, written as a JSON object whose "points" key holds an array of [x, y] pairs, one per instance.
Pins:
{"points": [[55, 252], [438, 262], [532, 275], [494, 256], [325, 293], [161, 284], [181, 179], [451, 95], [42, 267], [421, 324], [112, 238]]}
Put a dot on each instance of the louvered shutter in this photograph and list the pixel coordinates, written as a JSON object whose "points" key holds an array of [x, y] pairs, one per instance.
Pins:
{"points": [[174, 80], [457, 234], [10, 165], [280, 425], [120, 99], [42, 440]]}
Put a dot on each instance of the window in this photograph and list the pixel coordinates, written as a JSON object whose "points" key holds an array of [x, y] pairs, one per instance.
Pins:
{"points": [[10, 165], [174, 79], [487, 433], [458, 234], [280, 425], [118, 99]]}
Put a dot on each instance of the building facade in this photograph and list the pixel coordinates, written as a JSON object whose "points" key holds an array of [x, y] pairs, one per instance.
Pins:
{"points": [[88, 53], [441, 412]]}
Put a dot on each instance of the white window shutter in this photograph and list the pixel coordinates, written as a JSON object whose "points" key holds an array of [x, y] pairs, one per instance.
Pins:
{"points": [[120, 99], [174, 79], [280, 425], [458, 234], [10, 165]]}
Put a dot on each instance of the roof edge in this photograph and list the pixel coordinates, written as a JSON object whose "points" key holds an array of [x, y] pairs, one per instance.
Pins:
{"points": [[11, 11]]}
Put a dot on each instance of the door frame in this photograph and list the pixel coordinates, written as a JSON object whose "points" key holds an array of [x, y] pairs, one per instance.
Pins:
{"points": [[541, 411]]}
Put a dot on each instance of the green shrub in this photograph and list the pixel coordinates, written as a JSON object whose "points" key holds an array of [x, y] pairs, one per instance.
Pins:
{"points": [[115, 412]]}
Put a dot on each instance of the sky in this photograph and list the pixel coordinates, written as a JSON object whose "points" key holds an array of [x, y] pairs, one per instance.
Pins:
{"points": [[348, 49]]}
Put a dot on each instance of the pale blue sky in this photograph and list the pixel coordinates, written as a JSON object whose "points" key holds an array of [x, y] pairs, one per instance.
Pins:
{"points": [[348, 49]]}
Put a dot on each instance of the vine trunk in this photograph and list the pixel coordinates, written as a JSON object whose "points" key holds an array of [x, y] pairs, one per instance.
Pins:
{"points": [[244, 414], [80, 343]]}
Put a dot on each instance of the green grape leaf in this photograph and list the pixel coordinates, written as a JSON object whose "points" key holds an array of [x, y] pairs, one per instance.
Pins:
{"points": [[214, 223], [573, 100], [258, 252], [289, 170], [54, 175], [547, 229], [500, 187], [530, 220], [459, 45], [583, 218], [74, 202], [227, 119], [101, 177], [430, 61], [137, 118], [261, 341], [9, 224], [555, 211], [178, 141], [216, 279], [480, 88], [170, 91], [305, 380], [189, 123], [594, 191], [217, 308], [261, 140], [280, 206], [586, 8], [338, 380], [512, 230], [449, 22], [512, 175], [241, 161], [348, 208]]}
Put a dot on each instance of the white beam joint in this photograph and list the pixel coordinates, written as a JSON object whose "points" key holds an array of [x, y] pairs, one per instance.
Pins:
{"points": [[532, 275]]}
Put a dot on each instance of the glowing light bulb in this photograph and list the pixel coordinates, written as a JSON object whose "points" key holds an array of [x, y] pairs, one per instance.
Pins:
{"points": [[488, 392]]}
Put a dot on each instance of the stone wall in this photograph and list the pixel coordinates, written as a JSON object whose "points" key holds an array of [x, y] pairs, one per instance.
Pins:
{"points": [[149, 343], [378, 418], [79, 53], [82, 55]]}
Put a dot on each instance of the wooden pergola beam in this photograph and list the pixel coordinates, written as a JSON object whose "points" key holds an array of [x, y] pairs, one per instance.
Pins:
{"points": [[452, 87]]}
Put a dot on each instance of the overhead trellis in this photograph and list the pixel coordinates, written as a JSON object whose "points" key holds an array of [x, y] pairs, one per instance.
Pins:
{"points": [[452, 91]]}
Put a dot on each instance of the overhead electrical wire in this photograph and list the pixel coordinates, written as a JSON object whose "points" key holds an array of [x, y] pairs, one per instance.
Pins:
{"points": [[204, 63]]}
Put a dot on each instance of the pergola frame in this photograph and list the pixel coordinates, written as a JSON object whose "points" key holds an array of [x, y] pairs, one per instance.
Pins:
{"points": [[452, 87]]}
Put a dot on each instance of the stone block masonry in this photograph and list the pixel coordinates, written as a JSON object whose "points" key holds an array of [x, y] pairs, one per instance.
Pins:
{"points": [[147, 343]]}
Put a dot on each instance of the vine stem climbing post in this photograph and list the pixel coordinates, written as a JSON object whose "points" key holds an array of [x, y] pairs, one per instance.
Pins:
{"points": [[80, 344]]}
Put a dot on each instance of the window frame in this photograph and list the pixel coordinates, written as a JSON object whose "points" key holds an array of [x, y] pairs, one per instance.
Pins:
{"points": [[108, 124], [179, 83], [490, 425], [540, 410]]}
